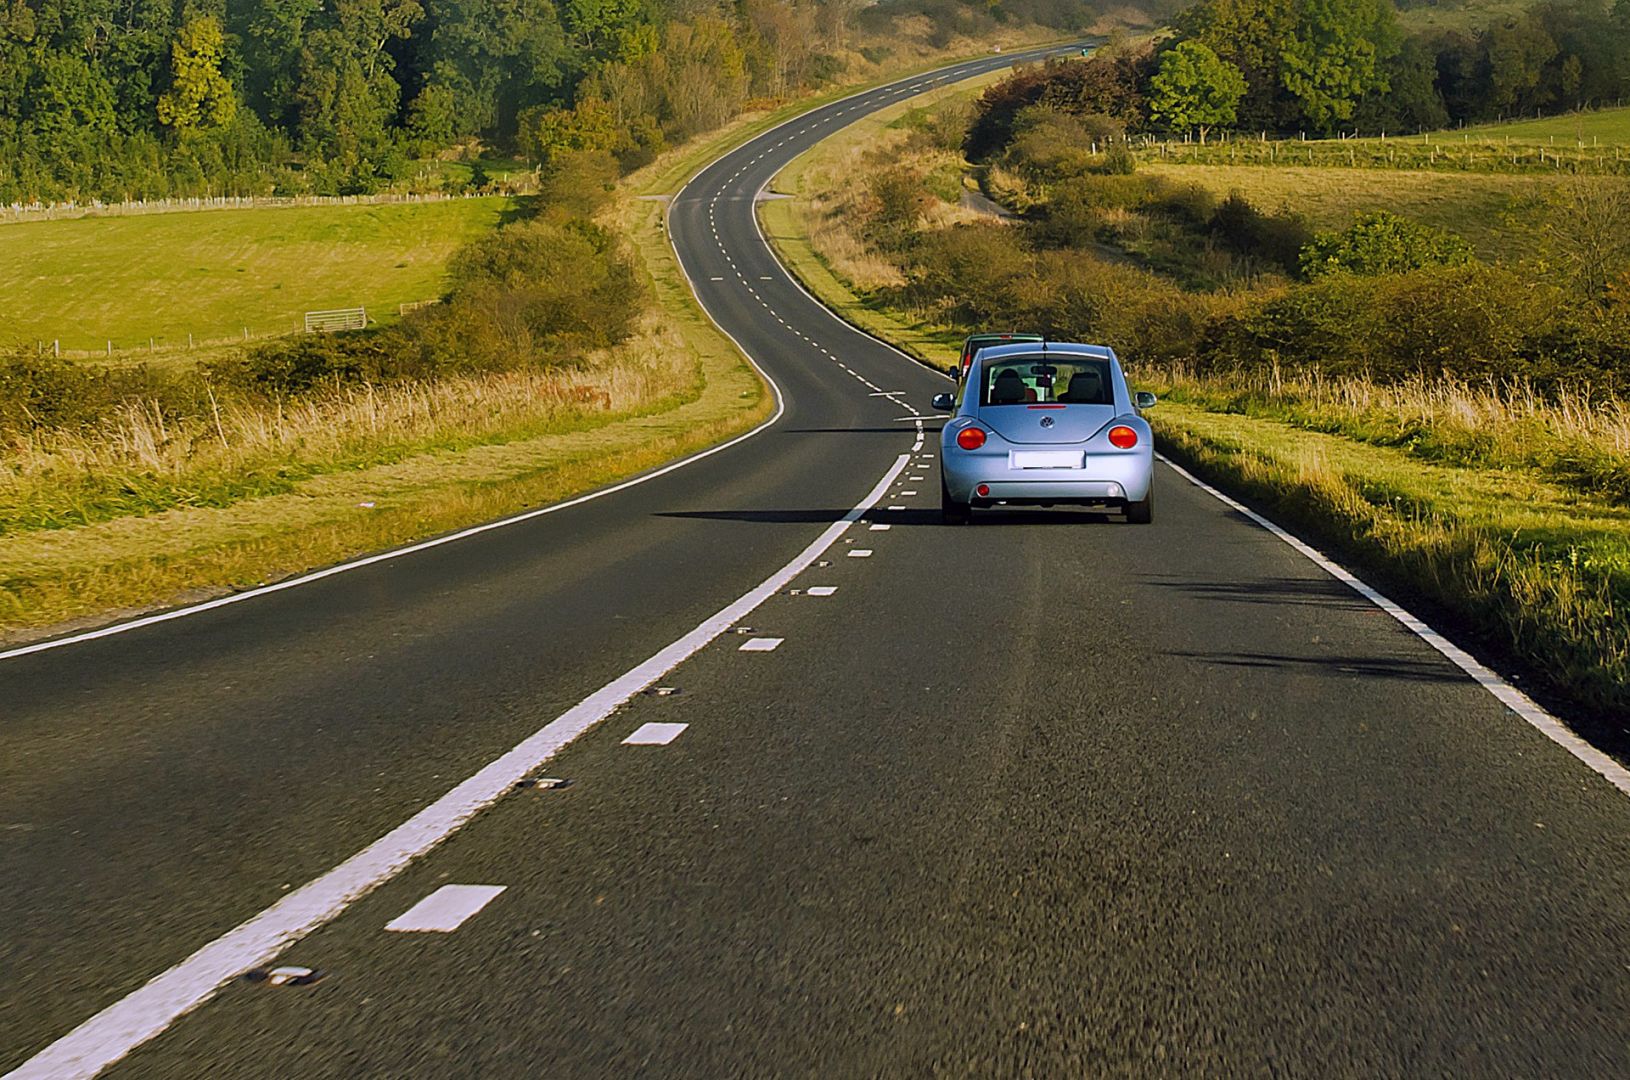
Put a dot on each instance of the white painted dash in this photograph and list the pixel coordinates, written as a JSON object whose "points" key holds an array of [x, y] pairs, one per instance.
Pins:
{"points": [[879, 528], [760, 644], [908, 493], [655, 734], [446, 909], [861, 553], [821, 590], [897, 506]]}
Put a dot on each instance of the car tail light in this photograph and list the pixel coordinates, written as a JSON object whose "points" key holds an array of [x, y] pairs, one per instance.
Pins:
{"points": [[970, 438], [982, 490], [1123, 437]]}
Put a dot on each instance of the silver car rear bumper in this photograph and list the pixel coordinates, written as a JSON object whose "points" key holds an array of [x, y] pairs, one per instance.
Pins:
{"points": [[1104, 478]]}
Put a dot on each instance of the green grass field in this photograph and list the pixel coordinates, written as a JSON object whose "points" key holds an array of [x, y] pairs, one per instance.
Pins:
{"points": [[214, 273], [1485, 208], [1607, 127]]}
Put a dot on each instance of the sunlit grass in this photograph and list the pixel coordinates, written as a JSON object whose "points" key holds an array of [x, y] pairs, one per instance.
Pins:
{"points": [[214, 274]]}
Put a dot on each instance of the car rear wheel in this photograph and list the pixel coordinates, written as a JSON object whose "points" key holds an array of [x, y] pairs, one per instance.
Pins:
{"points": [[951, 511], [1142, 513]]}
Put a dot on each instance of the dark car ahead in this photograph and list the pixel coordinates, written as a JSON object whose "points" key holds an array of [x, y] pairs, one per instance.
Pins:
{"points": [[974, 342]]}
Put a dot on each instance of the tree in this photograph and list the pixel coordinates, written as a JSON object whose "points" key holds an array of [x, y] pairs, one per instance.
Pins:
{"points": [[1249, 34], [1195, 89], [1336, 55], [199, 95], [1517, 54]]}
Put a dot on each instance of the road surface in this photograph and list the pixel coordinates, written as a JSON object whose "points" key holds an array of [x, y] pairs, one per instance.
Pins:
{"points": [[1050, 795]]}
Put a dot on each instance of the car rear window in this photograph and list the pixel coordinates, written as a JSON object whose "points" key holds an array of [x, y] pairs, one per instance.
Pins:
{"points": [[1029, 380]]}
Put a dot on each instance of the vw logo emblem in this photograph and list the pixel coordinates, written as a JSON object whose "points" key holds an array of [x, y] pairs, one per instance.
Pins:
{"points": [[1047, 421]]}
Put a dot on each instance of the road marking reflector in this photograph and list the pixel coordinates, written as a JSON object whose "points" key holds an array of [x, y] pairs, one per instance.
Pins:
{"points": [[760, 644], [446, 909], [655, 734]]}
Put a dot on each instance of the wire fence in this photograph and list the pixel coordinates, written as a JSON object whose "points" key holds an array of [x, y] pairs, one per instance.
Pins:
{"points": [[57, 211]]}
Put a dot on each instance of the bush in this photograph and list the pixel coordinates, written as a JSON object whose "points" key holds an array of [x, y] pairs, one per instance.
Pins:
{"points": [[38, 392], [898, 202], [1383, 243], [1471, 320]]}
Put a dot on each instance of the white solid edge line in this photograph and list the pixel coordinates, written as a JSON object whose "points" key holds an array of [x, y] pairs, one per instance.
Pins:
{"points": [[1508, 695], [423, 545], [120, 1028]]}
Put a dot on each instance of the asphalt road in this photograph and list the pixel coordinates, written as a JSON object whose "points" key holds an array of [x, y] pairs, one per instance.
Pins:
{"points": [[1050, 795]]}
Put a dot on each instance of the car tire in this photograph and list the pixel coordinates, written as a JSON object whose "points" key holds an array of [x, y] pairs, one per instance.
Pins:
{"points": [[1142, 513], [951, 511]]}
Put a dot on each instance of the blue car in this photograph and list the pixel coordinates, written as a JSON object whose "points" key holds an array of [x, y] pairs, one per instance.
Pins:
{"points": [[1042, 425]]}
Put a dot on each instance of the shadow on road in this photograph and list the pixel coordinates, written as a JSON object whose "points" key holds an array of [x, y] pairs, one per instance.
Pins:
{"points": [[902, 428], [909, 517], [1271, 591], [1370, 667]]}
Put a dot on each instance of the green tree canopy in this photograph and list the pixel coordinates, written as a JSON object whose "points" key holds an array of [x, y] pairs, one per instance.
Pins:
{"points": [[1195, 89], [199, 95], [1337, 54]]}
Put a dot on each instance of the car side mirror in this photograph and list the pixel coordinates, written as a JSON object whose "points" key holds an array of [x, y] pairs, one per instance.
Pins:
{"points": [[1144, 400], [944, 402]]}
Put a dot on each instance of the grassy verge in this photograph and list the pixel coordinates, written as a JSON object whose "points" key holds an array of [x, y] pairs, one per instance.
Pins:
{"points": [[486, 447], [1499, 515], [213, 274]]}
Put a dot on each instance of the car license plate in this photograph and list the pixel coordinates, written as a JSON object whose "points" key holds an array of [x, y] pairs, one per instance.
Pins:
{"points": [[1046, 459]]}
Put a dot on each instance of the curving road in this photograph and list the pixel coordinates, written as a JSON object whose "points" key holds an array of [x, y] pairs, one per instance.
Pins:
{"points": [[1046, 796]]}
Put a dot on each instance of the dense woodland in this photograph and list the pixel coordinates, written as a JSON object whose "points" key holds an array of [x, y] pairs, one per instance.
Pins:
{"points": [[1318, 67], [119, 99]]}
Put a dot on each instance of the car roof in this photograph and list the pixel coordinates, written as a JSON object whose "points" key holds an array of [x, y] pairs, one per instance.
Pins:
{"points": [[1059, 348], [1001, 336]]}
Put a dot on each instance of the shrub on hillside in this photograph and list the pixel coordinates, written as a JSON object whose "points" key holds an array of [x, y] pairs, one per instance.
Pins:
{"points": [[1469, 320], [1383, 243], [537, 293], [38, 391]]}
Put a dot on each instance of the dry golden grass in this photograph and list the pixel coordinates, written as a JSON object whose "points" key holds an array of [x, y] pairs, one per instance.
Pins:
{"points": [[1572, 437], [146, 461], [412, 462]]}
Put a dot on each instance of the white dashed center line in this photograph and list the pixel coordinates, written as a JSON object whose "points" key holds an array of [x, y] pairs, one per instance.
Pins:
{"points": [[861, 553], [760, 644], [821, 590], [446, 909], [655, 734]]}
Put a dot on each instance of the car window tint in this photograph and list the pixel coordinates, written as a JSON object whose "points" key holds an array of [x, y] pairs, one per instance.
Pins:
{"points": [[1028, 380]]}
